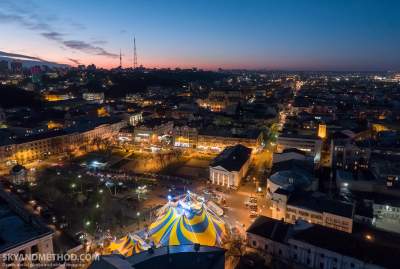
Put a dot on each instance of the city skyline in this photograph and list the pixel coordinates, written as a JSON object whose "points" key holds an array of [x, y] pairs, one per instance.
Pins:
{"points": [[289, 35]]}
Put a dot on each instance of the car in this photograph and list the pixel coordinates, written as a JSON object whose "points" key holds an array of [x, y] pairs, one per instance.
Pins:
{"points": [[81, 236], [234, 188], [20, 191], [253, 214], [62, 225], [253, 199]]}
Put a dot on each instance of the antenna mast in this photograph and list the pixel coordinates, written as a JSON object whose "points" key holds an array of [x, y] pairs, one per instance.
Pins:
{"points": [[134, 53], [120, 58]]}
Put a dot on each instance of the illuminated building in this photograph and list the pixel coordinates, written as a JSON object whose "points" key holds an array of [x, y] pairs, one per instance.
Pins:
{"points": [[346, 154], [309, 144], [185, 137], [305, 245], [312, 207], [102, 112], [94, 97], [152, 131], [23, 150], [218, 139], [54, 125], [219, 101], [322, 131], [135, 118], [18, 174], [376, 128], [230, 166], [57, 97]]}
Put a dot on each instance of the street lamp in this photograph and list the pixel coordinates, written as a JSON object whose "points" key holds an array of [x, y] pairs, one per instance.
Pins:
{"points": [[73, 185], [138, 214], [87, 223]]}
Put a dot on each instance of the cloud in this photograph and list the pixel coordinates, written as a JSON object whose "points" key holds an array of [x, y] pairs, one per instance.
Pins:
{"points": [[16, 55], [27, 21], [78, 26], [99, 42], [88, 48], [32, 21], [75, 61], [53, 36]]}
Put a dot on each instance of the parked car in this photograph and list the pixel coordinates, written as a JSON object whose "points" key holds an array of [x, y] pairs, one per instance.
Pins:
{"points": [[253, 214]]}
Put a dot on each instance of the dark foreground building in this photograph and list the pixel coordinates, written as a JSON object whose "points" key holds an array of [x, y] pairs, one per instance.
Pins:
{"points": [[176, 257]]}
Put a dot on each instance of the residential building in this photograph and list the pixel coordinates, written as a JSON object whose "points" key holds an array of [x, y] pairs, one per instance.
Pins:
{"points": [[305, 245], [309, 144], [217, 139], [185, 137], [152, 131], [312, 207], [26, 149], [94, 97]]}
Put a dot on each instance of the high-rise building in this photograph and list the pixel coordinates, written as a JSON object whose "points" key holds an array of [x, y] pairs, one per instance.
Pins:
{"points": [[36, 72], [3, 66], [16, 67]]}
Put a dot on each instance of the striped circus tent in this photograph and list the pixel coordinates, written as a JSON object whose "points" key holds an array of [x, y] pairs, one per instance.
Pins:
{"points": [[187, 223], [127, 245]]}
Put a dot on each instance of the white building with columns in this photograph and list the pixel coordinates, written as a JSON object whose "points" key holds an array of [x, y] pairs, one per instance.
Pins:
{"points": [[230, 166]]}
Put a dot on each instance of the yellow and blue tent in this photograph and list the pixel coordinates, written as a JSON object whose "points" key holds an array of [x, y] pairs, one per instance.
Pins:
{"points": [[127, 246], [187, 223]]}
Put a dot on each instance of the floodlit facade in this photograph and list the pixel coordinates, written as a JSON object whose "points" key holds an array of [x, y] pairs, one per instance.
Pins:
{"points": [[230, 166]]}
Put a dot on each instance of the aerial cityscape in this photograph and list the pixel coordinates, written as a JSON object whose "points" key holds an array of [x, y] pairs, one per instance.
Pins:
{"points": [[200, 134]]}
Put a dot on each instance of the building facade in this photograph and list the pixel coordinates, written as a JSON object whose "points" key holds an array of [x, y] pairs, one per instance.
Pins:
{"points": [[304, 245], [313, 209], [21, 234], [230, 166]]}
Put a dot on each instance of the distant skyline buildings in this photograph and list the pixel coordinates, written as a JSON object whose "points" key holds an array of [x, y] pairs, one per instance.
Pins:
{"points": [[352, 35]]}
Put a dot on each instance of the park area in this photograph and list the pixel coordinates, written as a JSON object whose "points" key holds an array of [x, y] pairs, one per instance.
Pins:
{"points": [[84, 201]]}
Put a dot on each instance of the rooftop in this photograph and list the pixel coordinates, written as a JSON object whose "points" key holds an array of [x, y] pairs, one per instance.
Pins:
{"points": [[269, 228], [350, 245], [176, 257], [17, 229], [232, 158], [321, 203]]}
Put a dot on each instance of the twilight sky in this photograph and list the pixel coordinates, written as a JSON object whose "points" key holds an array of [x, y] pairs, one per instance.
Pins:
{"points": [[272, 34]]}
